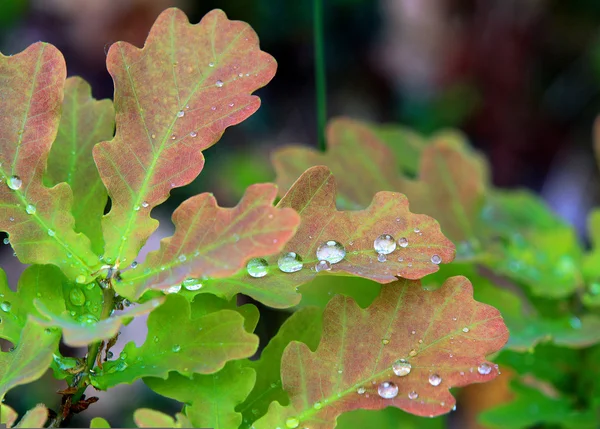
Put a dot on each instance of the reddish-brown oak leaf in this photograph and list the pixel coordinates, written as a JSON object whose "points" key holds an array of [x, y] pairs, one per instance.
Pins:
{"points": [[173, 99], [450, 183], [84, 122], [421, 245], [405, 350], [211, 241], [38, 219]]}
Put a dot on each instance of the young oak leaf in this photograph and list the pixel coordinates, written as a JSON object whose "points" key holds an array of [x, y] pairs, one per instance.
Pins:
{"points": [[8, 416], [211, 241], [85, 121], [173, 99], [99, 422], [183, 338], [34, 418], [421, 245], [414, 345], [147, 418], [210, 399], [38, 219]]}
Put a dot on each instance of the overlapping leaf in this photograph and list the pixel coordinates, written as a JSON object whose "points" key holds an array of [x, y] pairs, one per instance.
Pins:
{"points": [[38, 219], [210, 399], [214, 241], [444, 335], [99, 422], [313, 197], [173, 99], [8, 416], [147, 418], [84, 122], [183, 338], [34, 418], [305, 326]]}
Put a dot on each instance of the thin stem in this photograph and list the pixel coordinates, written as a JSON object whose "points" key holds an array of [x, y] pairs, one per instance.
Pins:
{"points": [[320, 82]]}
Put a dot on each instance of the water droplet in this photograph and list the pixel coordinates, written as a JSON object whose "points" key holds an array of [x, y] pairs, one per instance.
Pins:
{"points": [[134, 264], [413, 395], [182, 258], [381, 257], [30, 209], [575, 322], [155, 339], [317, 405], [322, 266], [6, 241], [211, 64], [435, 380], [144, 204], [77, 297], [109, 355], [417, 230], [5, 306], [257, 267], [331, 251], [484, 369], [192, 284], [384, 244], [290, 262], [412, 353], [14, 182], [436, 259], [361, 390], [136, 208], [51, 233], [465, 329], [193, 134], [12, 219], [176, 348], [387, 390], [403, 242], [219, 83], [180, 114], [401, 367], [292, 422], [90, 286], [231, 104], [385, 341], [80, 279], [173, 289], [213, 108]]}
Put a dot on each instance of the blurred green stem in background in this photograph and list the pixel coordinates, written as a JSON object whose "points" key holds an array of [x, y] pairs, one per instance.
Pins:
{"points": [[320, 85]]}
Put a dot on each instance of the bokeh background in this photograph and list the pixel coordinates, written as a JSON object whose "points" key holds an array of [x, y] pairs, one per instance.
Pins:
{"points": [[520, 77]]}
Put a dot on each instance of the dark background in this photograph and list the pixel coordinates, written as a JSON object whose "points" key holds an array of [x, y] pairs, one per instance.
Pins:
{"points": [[520, 77]]}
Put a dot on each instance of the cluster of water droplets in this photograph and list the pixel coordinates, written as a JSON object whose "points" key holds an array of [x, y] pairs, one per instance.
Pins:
{"points": [[385, 244]]}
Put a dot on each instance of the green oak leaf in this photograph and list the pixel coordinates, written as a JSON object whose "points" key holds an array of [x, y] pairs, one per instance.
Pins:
{"points": [[99, 422], [84, 122], [183, 338], [34, 418], [8, 416], [305, 326], [147, 418], [388, 418], [210, 399]]}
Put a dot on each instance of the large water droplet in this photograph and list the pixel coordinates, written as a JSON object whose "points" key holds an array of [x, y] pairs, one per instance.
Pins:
{"points": [[413, 395], [436, 259], [5, 306], [257, 267], [30, 209], [387, 390], [192, 284], [435, 380], [176, 348], [403, 242], [14, 182], [322, 266], [77, 297], [290, 262], [80, 279], [292, 423], [484, 369], [331, 251], [173, 289], [401, 367], [384, 244], [219, 83]]}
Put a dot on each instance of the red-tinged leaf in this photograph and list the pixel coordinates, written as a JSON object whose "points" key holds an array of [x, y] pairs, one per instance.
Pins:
{"points": [[360, 161], [84, 122], [444, 335], [173, 98], [37, 219], [34, 418], [147, 418], [313, 197], [215, 242]]}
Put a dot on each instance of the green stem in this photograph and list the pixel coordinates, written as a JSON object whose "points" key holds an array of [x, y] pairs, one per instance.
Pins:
{"points": [[320, 82]]}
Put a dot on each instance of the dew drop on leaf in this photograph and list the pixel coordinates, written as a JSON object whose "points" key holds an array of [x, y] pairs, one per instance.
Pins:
{"points": [[436, 259], [331, 251], [192, 284], [484, 369], [403, 242], [387, 390], [219, 83], [257, 267], [384, 244], [173, 289], [80, 279], [413, 395], [385, 341], [401, 367], [14, 182], [176, 348], [6, 241], [51, 233], [144, 204], [134, 264], [361, 390], [182, 258], [322, 266], [211, 64], [193, 134], [5, 306], [292, 423], [30, 209], [381, 257], [317, 405], [435, 380], [290, 262], [180, 114], [77, 297], [465, 329]]}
